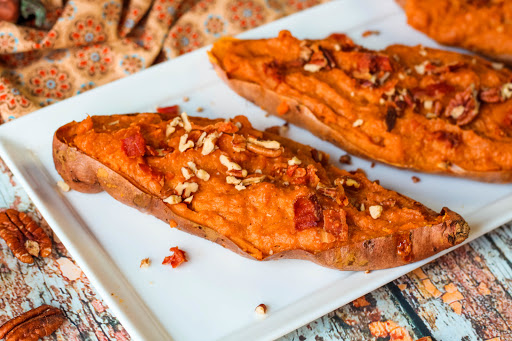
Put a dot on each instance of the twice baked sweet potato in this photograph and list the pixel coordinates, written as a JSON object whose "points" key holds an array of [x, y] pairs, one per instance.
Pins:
{"points": [[258, 194], [481, 26], [413, 107]]}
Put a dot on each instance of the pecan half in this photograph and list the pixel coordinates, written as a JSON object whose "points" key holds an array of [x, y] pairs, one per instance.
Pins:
{"points": [[21, 233], [33, 325], [491, 95], [463, 107], [260, 150]]}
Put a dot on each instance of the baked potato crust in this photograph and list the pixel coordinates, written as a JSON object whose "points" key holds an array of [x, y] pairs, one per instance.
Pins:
{"points": [[85, 174], [302, 115]]}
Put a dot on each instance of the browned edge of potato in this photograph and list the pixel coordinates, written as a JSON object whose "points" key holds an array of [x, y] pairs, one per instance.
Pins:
{"points": [[300, 115], [85, 174]]}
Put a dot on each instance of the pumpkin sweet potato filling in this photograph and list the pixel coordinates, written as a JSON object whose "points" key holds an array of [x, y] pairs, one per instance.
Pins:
{"points": [[413, 107], [264, 192]]}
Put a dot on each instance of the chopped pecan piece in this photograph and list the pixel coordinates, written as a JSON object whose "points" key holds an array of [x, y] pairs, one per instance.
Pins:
{"points": [[308, 212], [264, 148], [346, 159], [33, 325], [177, 258], [17, 228], [463, 107]]}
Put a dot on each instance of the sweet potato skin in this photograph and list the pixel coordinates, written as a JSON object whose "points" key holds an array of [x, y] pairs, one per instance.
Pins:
{"points": [[302, 116], [88, 175]]}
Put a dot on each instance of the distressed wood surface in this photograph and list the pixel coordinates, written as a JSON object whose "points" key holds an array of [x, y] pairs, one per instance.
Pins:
{"points": [[464, 295]]}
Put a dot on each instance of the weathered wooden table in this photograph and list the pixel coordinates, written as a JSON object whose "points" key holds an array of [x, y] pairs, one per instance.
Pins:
{"points": [[464, 295]]}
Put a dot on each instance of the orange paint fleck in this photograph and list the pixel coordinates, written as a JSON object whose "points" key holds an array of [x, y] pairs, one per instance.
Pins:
{"points": [[69, 269], [282, 108], [483, 289], [450, 297], [360, 302], [391, 329], [457, 307], [402, 287], [451, 287], [418, 272], [431, 288], [98, 306]]}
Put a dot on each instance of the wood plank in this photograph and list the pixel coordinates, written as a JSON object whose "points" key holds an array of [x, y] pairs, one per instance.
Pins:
{"points": [[55, 280], [465, 295]]}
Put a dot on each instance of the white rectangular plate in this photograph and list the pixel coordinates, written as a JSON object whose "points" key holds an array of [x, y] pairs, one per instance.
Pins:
{"points": [[213, 296]]}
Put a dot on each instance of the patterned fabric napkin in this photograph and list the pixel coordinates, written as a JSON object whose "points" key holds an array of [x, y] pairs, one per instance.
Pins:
{"points": [[82, 44]]}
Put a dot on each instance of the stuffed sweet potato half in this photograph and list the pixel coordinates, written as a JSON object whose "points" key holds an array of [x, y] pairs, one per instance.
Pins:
{"points": [[413, 107], [481, 26], [258, 194]]}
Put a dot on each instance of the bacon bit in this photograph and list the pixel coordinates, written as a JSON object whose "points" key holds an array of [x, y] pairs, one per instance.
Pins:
{"points": [[435, 91], [173, 223], [151, 151], [199, 109], [415, 179], [360, 302], [134, 145], [173, 109], [186, 99], [308, 212], [155, 174], [372, 165], [176, 259], [335, 222], [431, 288], [370, 33], [282, 108], [346, 159], [391, 116], [452, 140]]}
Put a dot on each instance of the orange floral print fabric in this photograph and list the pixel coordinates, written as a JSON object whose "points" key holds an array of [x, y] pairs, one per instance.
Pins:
{"points": [[86, 43]]}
